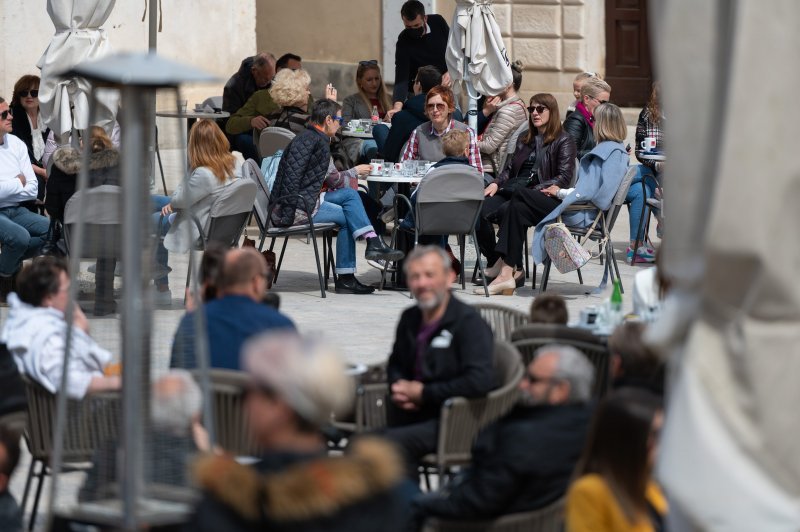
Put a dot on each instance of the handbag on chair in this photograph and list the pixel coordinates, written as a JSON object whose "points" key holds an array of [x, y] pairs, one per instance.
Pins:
{"points": [[564, 251]]}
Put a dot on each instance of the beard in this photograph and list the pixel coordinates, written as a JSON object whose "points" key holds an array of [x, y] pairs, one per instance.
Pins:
{"points": [[435, 299], [526, 399]]}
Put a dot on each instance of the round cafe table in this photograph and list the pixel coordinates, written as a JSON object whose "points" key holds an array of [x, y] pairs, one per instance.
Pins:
{"points": [[658, 157], [356, 134]]}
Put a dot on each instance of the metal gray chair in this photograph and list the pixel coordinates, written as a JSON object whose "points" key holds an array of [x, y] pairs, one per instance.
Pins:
{"points": [[547, 519], [272, 139], [528, 338], [601, 232], [448, 202], [262, 209], [102, 212], [502, 320], [462, 419]]}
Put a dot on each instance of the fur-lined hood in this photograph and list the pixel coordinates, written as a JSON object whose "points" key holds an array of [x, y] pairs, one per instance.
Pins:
{"points": [[68, 159], [305, 490]]}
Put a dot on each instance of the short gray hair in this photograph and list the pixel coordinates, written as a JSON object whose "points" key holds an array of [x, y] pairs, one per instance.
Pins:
{"points": [[421, 251], [177, 401], [573, 367], [264, 59]]}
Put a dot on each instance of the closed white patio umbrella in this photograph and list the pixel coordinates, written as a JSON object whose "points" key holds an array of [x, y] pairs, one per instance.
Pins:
{"points": [[476, 54], [730, 450], [79, 37]]}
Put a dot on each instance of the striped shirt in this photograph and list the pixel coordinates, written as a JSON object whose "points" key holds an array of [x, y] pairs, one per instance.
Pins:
{"points": [[425, 144]]}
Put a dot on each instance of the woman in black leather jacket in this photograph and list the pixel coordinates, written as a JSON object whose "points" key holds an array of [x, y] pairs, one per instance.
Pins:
{"points": [[580, 123], [544, 156]]}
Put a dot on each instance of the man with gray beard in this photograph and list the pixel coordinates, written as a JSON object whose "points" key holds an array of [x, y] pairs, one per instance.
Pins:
{"points": [[442, 349], [525, 460]]}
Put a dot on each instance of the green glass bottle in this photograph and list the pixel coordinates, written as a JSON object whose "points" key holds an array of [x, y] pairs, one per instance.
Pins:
{"points": [[616, 297]]}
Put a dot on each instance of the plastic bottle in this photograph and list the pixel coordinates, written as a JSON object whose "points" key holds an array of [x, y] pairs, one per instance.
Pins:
{"points": [[375, 116]]}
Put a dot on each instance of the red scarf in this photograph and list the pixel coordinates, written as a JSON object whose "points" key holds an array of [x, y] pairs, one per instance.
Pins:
{"points": [[586, 114]]}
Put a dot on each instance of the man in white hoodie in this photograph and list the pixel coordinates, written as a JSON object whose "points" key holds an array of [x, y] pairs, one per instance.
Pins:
{"points": [[35, 333], [22, 232]]}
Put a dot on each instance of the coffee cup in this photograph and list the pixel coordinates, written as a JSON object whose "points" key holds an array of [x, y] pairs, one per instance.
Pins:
{"points": [[352, 125], [648, 144], [376, 167]]}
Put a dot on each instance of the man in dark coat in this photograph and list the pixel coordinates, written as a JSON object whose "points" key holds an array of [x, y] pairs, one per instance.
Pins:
{"points": [[442, 349], [255, 73], [525, 460]]}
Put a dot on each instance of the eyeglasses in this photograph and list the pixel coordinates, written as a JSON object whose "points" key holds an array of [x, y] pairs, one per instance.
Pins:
{"points": [[34, 93], [538, 108], [533, 379], [436, 106], [337, 119], [371, 62], [5, 114], [598, 99]]}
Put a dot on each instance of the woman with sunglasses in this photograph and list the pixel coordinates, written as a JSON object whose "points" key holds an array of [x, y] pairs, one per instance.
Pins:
{"points": [[580, 123], [29, 127], [543, 156], [425, 143], [371, 94], [614, 490]]}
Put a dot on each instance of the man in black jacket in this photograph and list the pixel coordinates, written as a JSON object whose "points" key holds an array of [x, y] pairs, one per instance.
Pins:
{"points": [[305, 170], [442, 349], [254, 73], [423, 42], [524, 461]]}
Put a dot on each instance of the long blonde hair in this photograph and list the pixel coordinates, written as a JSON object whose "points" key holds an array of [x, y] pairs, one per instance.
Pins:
{"points": [[382, 96], [209, 147]]}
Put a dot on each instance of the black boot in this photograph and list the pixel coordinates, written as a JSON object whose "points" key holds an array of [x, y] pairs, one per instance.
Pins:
{"points": [[377, 249], [346, 283]]}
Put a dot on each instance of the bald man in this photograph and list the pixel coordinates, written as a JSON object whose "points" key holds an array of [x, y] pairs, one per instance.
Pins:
{"points": [[232, 318]]}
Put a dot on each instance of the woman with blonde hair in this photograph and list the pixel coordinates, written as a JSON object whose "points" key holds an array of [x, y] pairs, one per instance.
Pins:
{"points": [[580, 123], [358, 106], [212, 167]]}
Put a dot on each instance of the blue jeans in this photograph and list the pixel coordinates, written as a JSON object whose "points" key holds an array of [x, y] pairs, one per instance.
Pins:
{"points": [[243, 142], [344, 207], [162, 257], [380, 133], [22, 234], [636, 200]]}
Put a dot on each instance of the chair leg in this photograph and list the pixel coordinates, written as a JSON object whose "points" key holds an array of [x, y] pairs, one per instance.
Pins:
{"points": [[261, 243], [527, 258], [545, 275], [613, 260], [533, 278], [38, 495], [478, 264], [331, 260], [188, 275], [316, 258], [580, 276], [386, 263], [160, 164], [462, 243], [326, 266], [24, 502], [280, 260]]}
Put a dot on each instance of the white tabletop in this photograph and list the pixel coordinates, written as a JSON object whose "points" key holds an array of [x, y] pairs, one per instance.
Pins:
{"points": [[193, 114], [652, 156], [394, 179], [356, 134]]}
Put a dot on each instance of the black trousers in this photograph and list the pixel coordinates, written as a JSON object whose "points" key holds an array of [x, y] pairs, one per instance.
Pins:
{"points": [[526, 208], [414, 441], [492, 211]]}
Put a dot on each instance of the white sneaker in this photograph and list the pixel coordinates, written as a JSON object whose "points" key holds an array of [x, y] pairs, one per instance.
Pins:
{"points": [[379, 264], [162, 299]]}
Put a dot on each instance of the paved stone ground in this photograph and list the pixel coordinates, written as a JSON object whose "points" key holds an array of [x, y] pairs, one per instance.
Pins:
{"points": [[362, 327]]}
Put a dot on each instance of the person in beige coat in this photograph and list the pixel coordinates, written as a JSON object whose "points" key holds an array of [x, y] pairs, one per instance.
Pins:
{"points": [[510, 113]]}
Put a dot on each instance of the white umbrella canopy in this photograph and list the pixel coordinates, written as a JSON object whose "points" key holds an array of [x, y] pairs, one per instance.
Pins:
{"points": [[730, 450], [79, 37], [476, 54]]}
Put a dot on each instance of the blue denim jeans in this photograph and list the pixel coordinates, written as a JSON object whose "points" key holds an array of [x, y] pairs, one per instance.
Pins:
{"points": [[636, 200], [380, 133], [243, 142], [162, 256], [22, 234], [344, 207]]}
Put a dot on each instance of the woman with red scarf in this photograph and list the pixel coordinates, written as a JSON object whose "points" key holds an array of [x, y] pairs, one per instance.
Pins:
{"points": [[580, 123]]}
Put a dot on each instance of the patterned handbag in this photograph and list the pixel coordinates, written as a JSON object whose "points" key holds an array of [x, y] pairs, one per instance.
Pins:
{"points": [[562, 248]]}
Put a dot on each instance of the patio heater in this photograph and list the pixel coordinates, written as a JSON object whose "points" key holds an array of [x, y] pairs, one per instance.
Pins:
{"points": [[137, 77]]}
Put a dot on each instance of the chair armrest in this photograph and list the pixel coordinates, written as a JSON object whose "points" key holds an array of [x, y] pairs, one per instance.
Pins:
{"points": [[580, 207], [401, 197]]}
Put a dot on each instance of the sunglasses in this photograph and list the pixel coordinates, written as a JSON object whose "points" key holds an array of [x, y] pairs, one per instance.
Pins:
{"points": [[5, 114], [538, 108], [598, 99], [533, 379], [371, 62], [338, 119], [437, 106], [34, 93]]}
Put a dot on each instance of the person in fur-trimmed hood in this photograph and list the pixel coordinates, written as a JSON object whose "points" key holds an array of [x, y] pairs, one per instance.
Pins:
{"points": [[295, 386]]}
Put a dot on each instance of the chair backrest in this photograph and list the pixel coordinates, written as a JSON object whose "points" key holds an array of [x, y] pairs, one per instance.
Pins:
{"points": [[91, 422], [462, 419], [619, 197], [273, 139], [230, 211], [261, 207], [547, 519], [227, 398], [531, 337], [371, 406], [101, 211], [449, 200], [502, 320]]}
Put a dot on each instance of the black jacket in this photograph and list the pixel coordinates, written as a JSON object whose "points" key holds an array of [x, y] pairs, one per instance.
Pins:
{"points": [[413, 52], [581, 132], [239, 87], [22, 129], [302, 170], [521, 463], [363, 491], [457, 361], [557, 162]]}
